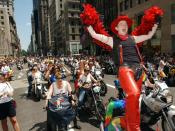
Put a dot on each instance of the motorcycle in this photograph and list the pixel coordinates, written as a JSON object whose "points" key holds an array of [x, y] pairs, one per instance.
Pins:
{"points": [[170, 73], [98, 75], [110, 67], [38, 88], [94, 102], [156, 104], [19, 66]]}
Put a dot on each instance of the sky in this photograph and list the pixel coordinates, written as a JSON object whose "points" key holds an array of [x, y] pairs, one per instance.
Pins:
{"points": [[23, 11]]}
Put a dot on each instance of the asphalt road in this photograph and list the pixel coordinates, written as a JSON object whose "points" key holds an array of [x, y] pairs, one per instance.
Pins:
{"points": [[31, 115]]}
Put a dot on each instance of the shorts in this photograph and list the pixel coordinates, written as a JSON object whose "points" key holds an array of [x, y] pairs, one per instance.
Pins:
{"points": [[7, 110]]}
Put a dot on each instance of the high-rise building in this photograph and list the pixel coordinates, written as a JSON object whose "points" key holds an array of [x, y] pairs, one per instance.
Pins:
{"points": [[65, 26], [35, 27], [56, 8], [9, 40], [73, 26], [108, 10], [41, 26]]}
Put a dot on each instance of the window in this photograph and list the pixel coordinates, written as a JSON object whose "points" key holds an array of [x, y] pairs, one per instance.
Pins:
{"points": [[73, 6], [121, 6], [2, 23], [126, 4], [138, 1], [1, 12], [130, 3], [72, 23], [173, 14], [73, 37], [139, 18], [60, 5], [72, 14], [2, 17], [73, 30]]}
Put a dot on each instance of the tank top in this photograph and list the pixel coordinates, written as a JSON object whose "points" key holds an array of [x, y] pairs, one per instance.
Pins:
{"points": [[63, 90], [125, 51], [62, 95]]}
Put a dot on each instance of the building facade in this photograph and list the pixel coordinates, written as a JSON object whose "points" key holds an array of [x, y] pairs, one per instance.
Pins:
{"points": [[73, 28], [108, 11], [41, 27], [164, 38], [9, 40]]}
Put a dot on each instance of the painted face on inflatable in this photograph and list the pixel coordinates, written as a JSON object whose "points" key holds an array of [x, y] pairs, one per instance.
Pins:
{"points": [[122, 28]]}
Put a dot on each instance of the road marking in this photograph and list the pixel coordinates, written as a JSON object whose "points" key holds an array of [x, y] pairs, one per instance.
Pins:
{"points": [[110, 86]]}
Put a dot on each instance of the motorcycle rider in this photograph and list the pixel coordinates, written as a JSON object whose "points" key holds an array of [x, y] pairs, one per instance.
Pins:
{"points": [[62, 91], [33, 74], [130, 60], [84, 83]]}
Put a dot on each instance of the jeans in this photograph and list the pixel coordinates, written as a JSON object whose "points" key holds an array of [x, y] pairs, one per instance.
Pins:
{"points": [[30, 79], [82, 93]]}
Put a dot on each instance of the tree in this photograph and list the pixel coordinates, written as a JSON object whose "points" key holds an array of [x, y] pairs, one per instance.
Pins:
{"points": [[23, 53]]}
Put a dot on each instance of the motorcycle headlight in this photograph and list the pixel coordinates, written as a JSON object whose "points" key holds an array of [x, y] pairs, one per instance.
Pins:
{"points": [[97, 89], [98, 72]]}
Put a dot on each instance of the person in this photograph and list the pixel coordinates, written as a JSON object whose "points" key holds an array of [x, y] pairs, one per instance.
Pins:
{"points": [[126, 50], [33, 74], [84, 83], [162, 64], [7, 105], [5, 69], [59, 104]]}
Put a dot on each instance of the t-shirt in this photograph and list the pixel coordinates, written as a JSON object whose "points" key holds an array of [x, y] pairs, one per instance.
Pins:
{"points": [[5, 87]]}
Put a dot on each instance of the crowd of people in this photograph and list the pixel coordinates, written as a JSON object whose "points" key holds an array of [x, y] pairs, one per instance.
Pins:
{"points": [[59, 72]]}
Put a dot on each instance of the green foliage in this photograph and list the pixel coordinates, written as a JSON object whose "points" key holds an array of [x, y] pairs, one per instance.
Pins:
{"points": [[23, 53]]}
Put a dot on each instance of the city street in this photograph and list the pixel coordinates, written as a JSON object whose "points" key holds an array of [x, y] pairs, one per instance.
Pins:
{"points": [[89, 35], [31, 115]]}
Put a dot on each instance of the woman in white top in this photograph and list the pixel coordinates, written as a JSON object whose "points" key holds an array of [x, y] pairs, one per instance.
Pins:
{"points": [[7, 106], [84, 82], [59, 102]]}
